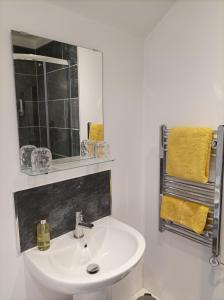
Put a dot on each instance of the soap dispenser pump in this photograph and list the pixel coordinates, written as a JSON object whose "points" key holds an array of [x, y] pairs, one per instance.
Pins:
{"points": [[43, 235]]}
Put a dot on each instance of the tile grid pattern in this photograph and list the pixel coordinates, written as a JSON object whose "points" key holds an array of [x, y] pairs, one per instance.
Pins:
{"points": [[62, 103], [27, 99]]}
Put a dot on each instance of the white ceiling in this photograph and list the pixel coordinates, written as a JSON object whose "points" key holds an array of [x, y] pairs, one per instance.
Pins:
{"points": [[137, 17]]}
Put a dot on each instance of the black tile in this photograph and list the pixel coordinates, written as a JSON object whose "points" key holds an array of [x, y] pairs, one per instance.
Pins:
{"points": [[67, 113], [52, 49], [30, 115], [40, 87], [56, 113], [70, 53], [75, 141], [60, 141], [74, 82], [39, 68], [60, 201], [42, 113], [18, 49], [55, 156], [25, 67], [43, 137], [57, 84], [26, 87], [53, 67], [74, 113], [29, 136]]}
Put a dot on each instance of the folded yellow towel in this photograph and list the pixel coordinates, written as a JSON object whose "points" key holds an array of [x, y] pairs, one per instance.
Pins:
{"points": [[96, 132], [189, 151], [194, 216], [189, 214], [171, 209]]}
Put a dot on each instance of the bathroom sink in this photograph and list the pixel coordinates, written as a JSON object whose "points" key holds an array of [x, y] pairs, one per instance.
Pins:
{"points": [[112, 245]]}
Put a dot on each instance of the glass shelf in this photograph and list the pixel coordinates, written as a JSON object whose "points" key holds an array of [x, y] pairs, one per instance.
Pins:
{"points": [[68, 163]]}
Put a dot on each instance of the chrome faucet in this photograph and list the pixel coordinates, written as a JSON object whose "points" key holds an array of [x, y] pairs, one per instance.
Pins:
{"points": [[79, 224]]}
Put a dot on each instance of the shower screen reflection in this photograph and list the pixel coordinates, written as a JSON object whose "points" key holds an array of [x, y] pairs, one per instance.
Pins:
{"points": [[58, 91]]}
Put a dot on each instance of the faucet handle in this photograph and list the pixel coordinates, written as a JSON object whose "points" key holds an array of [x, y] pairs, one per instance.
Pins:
{"points": [[86, 225], [80, 222], [79, 216]]}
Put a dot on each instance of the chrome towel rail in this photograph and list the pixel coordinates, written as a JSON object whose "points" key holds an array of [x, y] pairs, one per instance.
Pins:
{"points": [[209, 194]]}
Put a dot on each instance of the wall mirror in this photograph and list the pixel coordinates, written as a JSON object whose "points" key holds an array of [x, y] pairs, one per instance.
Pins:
{"points": [[58, 92]]}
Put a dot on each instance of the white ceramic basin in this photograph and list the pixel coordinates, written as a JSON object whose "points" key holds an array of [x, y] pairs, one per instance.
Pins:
{"points": [[113, 245]]}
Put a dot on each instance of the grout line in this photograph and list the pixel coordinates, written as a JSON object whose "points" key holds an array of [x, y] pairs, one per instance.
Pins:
{"points": [[38, 105], [75, 98], [64, 115], [59, 69], [61, 155], [66, 99], [32, 101], [33, 126], [25, 74], [66, 128], [29, 126]]}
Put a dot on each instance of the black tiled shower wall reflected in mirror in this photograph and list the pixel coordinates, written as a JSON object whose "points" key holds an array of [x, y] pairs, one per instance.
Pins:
{"points": [[48, 111]]}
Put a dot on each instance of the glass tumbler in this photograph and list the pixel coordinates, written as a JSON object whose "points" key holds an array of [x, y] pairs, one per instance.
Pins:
{"points": [[102, 150], [87, 149], [41, 159], [25, 156]]}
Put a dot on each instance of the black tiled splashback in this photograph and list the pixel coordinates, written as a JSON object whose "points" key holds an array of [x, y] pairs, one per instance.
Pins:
{"points": [[60, 201]]}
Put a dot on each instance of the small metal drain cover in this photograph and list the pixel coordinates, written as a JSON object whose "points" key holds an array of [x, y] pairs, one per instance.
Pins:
{"points": [[146, 296], [93, 269]]}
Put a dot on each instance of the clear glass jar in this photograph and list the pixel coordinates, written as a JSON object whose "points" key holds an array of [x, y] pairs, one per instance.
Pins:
{"points": [[25, 156], [102, 150], [87, 149], [41, 159]]}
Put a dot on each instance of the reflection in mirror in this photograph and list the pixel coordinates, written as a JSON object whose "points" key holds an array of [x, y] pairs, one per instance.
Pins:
{"points": [[58, 93]]}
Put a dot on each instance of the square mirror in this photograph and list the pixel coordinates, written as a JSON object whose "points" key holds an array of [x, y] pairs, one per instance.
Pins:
{"points": [[58, 93]]}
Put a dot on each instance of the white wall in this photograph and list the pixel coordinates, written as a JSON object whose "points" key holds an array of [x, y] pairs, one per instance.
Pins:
{"points": [[183, 85], [90, 99], [122, 76]]}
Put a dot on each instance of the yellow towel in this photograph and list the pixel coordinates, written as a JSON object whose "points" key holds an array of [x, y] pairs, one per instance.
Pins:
{"points": [[189, 151], [189, 214], [171, 209], [96, 132]]}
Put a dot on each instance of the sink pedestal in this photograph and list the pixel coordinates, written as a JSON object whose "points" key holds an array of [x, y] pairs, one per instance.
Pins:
{"points": [[101, 294]]}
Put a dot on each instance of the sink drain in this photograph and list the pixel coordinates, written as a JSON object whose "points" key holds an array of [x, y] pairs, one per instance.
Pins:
{"points": [[146, 296], [93, 269]]}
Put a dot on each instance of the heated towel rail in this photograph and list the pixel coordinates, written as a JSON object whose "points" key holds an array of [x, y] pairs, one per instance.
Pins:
{"points": [[209, 194]]}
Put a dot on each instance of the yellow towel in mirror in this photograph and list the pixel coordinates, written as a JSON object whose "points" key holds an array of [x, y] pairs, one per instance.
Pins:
{"points": [[189, 214], [189, 151], [96, 132]]}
